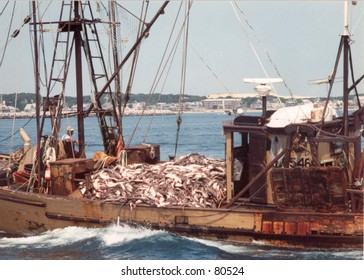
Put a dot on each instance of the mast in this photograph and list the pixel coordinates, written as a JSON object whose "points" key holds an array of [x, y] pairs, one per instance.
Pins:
{"points": [[346, 40], [76, 23], [79, 89], [115, 50], [344, 51], [37, 91]]}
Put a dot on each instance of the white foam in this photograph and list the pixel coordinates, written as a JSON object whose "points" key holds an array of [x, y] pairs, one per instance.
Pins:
{"points": [[224, 246], [109, 236], [119, 234], [51, 238]]}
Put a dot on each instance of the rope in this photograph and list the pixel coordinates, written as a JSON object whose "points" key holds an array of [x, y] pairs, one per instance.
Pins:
{"points": [[179, 121]]}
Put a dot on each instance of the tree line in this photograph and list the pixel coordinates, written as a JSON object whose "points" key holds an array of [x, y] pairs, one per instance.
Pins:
{"points": [[20, 100]]}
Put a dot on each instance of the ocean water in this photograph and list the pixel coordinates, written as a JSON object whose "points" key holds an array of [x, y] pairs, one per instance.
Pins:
{"points": [[199, 133], [122, 242]]}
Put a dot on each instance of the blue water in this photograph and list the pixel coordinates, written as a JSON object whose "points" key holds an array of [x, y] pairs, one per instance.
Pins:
{"points": [[200, 132]]}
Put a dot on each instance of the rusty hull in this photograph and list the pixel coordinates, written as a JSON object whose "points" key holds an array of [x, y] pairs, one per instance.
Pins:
{"points": [[27, 213]]}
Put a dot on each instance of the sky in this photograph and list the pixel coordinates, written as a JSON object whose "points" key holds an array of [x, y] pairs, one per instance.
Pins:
{"points": [[227, 42]]}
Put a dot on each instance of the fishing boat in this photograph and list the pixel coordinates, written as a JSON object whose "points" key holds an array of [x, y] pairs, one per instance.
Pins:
{"points": [[291, 177]]}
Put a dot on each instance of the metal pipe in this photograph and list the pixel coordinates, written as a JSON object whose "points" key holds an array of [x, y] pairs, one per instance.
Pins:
{"points": [[26, 139]]}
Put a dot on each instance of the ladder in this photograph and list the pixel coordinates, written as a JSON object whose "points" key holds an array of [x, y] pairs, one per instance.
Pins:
{"points": [[98, 73], [77, 23]]}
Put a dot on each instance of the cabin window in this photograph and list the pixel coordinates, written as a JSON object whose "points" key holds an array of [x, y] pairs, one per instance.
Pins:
{"points": [[336, 148], [277, 145]]}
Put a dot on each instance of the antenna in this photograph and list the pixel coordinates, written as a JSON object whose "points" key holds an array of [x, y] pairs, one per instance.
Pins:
{"points": [[263, 88], [346, 21], [346, 15]]}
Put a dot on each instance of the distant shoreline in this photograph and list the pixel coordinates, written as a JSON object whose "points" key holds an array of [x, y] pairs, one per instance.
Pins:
{"points": [[25, 115]]}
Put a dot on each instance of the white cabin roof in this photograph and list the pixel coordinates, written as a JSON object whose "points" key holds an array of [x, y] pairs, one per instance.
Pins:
{"points": [[300, 114]]}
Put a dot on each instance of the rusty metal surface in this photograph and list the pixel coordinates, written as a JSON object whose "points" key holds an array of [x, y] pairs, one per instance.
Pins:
{"points": [[356, 200], [22, 201], [65, 173], [143, 154], [310, 189]]}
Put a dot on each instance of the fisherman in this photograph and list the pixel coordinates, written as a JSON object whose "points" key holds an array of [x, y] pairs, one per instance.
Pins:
{"points": [[69, 143]]}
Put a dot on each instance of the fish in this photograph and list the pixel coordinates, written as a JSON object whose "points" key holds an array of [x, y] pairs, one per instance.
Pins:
{"points": [[190, 181]]}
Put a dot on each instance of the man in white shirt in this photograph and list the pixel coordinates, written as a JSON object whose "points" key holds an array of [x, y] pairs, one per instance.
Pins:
{"points": [[69, 143]]}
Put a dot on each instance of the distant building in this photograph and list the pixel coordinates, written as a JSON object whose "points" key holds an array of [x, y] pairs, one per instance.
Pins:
{"points": [[30, 108], [222, 104], [231, 95], [7, 109]]}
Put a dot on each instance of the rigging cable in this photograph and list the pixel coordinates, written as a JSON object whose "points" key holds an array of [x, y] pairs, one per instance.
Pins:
{"points": [[157, 79], [169, 61], [1, 13], [8, 34], [132, 73], [209, 68], [353, 78], [115, 44], [42, 47], [350, 55], [255, 53], [183, 76], [161, 70], [139, 19], [358, 21], [135, 60], [16, 132], [16, 95]]}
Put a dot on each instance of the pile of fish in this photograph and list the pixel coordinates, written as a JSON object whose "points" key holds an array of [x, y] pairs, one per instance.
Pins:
{"points": [[189, 181]]}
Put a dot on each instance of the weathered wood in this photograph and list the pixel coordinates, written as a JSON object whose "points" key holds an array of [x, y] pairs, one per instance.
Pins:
{"points": [[255, 179], [229, 164]]}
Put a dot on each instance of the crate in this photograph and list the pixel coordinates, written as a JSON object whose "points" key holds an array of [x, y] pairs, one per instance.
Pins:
{"points": [[67, 173], [143, 154]]}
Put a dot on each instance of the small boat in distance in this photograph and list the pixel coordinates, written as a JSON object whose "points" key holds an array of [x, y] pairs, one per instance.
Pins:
{"points": [[291, 177]]}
